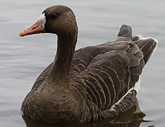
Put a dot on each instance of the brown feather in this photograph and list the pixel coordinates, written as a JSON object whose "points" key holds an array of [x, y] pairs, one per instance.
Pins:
{"points": [[91, 83]]}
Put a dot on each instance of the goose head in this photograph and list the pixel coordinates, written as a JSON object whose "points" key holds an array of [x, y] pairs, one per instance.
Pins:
{"points": [[58, 20]]}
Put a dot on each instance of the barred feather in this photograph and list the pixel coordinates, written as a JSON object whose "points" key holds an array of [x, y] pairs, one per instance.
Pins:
{"points": [[104, 75]]}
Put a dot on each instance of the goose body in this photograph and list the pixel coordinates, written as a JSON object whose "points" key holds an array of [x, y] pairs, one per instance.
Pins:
{"points": [[89, 84]]}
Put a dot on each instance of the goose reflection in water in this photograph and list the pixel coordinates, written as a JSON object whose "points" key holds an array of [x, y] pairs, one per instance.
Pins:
{"points": [[131, 118]]}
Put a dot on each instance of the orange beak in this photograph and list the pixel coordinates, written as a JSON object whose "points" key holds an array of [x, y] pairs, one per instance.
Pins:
{"points": [[36, 28]]}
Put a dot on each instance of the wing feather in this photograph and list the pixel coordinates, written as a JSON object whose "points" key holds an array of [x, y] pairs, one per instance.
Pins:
{"points": [[104, 75]]}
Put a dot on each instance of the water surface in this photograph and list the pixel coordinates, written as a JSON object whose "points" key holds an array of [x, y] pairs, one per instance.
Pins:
{"points": [[23, 59]]}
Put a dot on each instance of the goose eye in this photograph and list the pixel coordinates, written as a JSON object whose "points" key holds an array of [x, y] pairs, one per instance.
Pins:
{"points": [[53, 16]]}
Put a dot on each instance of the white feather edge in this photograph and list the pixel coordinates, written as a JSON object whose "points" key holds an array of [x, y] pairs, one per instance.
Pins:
{"points": [[143, 38], [136, 88]]}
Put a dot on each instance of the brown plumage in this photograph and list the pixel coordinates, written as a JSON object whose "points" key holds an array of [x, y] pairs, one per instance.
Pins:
{"points": [[91, 83]]}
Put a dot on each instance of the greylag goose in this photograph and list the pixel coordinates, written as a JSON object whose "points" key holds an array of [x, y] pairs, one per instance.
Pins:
{"points": [[90, 84]]}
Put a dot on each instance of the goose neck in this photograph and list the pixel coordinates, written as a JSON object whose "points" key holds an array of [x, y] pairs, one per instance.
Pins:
{"points": [[63, 59]]}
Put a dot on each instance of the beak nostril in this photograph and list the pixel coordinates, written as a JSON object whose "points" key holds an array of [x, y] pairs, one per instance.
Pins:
{"points": [[34, 27]]}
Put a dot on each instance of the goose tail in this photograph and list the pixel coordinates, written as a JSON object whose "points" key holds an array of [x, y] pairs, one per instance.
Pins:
{"points": [[125, 31]]}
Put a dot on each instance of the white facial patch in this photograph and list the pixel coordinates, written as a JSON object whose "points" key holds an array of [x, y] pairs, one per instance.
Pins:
{"points": [[42, 18]]}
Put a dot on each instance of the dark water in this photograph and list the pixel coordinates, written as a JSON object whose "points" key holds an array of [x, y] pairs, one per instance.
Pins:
{"points": [[23, 59]]}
